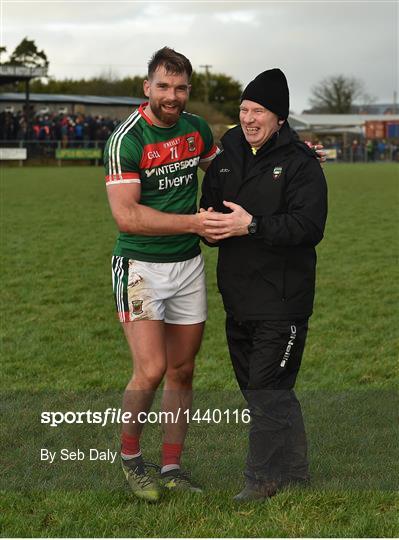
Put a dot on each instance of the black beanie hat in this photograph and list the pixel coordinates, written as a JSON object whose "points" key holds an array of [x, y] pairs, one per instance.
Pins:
{"points": [[270, 89]]}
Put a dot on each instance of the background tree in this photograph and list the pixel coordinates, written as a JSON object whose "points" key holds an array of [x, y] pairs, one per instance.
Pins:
{"points": [[2, 51], [223, 92], [336, 94], [27, 54], [96, 86]]}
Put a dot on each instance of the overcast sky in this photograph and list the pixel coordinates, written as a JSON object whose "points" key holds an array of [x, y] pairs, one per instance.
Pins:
{"points": [[307, 40]]}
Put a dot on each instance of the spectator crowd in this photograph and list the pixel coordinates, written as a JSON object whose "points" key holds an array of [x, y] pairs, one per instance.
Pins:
{"points": [[362, 150], [56, 127]]}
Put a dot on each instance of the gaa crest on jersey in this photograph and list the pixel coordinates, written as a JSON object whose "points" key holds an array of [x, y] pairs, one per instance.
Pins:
{"points": [[191, 144], [137, 307], [277, 172]]}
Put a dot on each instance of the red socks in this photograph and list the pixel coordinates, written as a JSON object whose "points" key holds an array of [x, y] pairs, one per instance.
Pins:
{"points": [[130, 445], [171, 453]]}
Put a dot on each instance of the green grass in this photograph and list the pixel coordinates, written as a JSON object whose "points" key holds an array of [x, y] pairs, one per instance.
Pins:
{"points": [[64, 350]]}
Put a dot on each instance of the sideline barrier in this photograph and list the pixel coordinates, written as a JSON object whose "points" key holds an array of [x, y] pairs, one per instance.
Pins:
{"points": [[52, 152], [331, 154], [9, 154], [78, 153]]}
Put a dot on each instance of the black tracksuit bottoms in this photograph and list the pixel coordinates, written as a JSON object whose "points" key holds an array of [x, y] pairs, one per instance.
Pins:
{"points": [[266, 357]]}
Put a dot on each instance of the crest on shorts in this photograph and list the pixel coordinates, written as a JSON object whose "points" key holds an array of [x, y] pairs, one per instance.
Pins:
{"points": [[277, 172], [137, 306], [191, 144]]}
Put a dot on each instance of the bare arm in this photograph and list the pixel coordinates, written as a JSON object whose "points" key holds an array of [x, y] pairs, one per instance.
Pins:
{"points": [[132, 217]]}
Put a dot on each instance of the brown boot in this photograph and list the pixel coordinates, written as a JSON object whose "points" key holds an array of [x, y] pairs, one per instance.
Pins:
{"points": [[257, 491]]}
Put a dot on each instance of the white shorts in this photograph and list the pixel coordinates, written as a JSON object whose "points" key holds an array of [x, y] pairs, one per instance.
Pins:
{"points": [[171, 292]]}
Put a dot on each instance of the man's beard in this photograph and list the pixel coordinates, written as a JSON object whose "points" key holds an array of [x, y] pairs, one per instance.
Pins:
{"points": [[169, 118]]}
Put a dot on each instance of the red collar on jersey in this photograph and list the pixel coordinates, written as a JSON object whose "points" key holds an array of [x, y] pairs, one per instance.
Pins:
{"points": [[141, 111]]}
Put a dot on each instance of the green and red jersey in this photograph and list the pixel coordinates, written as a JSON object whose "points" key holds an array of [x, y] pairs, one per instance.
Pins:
{"points": [[164, 161]]}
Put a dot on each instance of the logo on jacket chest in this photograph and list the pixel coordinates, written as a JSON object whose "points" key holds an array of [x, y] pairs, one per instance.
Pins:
{"points": [[277, 172]]}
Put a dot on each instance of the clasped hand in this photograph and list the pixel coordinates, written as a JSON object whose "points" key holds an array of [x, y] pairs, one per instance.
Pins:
{"points": [[218, 226]]}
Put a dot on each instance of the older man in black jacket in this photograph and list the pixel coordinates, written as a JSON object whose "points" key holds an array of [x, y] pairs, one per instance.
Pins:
{"points": [[269, 197]]}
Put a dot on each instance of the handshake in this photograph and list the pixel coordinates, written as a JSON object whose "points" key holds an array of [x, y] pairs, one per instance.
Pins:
{"points": [[216, 226]]}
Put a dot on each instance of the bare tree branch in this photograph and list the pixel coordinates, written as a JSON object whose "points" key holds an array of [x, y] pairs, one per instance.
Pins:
{"points": [[336, 94]]}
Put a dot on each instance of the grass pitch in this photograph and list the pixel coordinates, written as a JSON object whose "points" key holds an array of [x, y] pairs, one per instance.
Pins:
{"points": [[63, 350]]}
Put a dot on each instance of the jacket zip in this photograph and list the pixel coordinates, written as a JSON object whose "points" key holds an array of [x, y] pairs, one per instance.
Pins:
{"points": [[284, 281]]}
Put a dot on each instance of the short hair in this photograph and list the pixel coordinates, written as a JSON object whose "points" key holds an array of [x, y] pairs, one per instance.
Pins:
{"points": [[173, 62]]}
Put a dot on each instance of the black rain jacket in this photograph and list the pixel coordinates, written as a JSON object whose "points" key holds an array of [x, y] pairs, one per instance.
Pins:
{"points": [[269, 275]]}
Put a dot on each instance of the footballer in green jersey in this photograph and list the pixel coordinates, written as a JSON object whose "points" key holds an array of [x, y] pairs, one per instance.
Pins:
{"points": [[151, 162]]}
